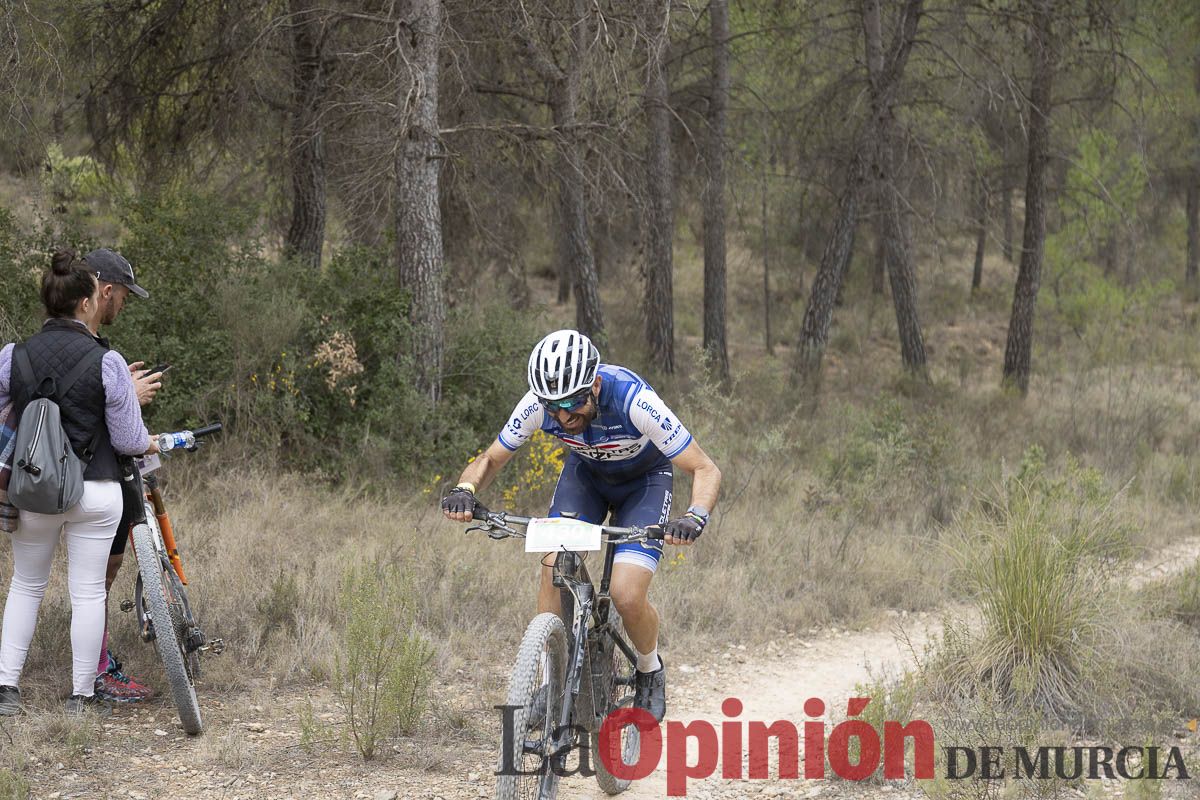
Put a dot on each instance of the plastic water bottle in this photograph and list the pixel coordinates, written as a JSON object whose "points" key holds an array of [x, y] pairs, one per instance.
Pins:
{"points": [[170, 441]]}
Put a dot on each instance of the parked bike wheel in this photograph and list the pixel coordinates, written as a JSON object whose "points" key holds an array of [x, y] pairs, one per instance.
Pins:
{"points": [[166, 607], [610, 684], [541, 662]]}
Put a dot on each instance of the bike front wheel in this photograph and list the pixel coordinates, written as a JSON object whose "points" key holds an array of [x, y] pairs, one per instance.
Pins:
{"points": [[166, 606], [536, 689]]}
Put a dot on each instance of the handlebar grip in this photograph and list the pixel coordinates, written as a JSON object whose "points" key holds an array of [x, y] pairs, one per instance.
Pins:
{"points": [[656, 532], [481, 512], [207, 430]]}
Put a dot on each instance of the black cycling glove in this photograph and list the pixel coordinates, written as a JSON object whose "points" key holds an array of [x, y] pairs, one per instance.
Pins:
{"points": [[686, 528], [460, 500]]}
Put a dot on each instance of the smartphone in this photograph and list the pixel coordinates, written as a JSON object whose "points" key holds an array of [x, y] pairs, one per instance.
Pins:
{"points": [[159, 368]]}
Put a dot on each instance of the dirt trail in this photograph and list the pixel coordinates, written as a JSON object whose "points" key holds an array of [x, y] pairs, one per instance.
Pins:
{"points": [[251, 749], [773, 684]]}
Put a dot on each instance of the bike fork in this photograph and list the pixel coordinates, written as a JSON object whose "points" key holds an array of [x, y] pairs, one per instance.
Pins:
{"points": [[562, 743]]}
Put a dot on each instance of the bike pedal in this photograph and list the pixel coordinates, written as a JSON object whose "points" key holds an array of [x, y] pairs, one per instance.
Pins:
{"points": [[148, 634], [126, 606], [214, 646]]}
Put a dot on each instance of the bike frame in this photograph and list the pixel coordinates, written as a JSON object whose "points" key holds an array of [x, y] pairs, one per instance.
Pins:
{"points": [[164, 526], [571, 574]]}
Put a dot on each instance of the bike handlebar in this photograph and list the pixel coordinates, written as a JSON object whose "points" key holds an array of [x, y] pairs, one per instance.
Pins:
{"points": [[207, 430], [503, 519]]}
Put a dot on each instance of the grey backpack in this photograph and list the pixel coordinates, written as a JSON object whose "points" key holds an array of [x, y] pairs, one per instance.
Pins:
{"points": [[47, 476]]}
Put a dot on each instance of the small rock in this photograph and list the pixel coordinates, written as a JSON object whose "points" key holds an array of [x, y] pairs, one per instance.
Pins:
{"points": [[386, 794], [686, 668], [159, 732], [472, 776], [256, 727]]}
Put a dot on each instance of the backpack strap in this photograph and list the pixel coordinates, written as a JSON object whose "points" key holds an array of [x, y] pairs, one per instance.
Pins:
{"points": [[21, 361]]}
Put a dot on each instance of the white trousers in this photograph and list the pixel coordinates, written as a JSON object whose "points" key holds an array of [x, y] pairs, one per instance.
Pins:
{"points": [[89, 528]]}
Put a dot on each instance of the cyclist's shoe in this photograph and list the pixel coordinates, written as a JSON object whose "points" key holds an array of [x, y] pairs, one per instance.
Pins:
{"points": [[650, 691], [78, 706], [10, 701], [115, 686]]}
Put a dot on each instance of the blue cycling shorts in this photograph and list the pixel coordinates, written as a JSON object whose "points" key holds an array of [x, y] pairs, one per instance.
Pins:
{"points": [[644, 500]]}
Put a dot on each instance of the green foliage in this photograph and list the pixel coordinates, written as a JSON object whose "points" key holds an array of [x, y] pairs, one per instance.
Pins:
{"points": [[1099, 203], [289, 359], [892, 452], [383, 672]]}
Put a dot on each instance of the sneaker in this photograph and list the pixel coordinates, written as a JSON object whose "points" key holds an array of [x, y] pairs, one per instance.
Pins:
{"points": [[650, 691], [79, 706], [10, 701], [115, 686]]}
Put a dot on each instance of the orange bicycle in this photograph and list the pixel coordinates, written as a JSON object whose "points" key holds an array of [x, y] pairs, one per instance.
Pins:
{"points": [[164, 615]]}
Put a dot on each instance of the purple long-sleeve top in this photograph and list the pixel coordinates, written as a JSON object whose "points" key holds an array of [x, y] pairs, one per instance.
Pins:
{"points": [[126, 430]]}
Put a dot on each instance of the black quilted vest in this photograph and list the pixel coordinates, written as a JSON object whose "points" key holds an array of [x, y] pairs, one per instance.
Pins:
{"points": [[53, 352]]}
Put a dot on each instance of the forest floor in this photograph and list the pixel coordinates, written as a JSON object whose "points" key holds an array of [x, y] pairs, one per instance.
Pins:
{"points": [[270, 741]]}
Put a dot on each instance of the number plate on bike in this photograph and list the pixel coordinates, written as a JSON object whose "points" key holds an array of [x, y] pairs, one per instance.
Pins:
{"points": [[561, 533], [147, 464]]}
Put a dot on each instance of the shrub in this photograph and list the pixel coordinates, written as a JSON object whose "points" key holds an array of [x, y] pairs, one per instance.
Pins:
{"points": [[1039, 561], [13, 786], [382, 672]]}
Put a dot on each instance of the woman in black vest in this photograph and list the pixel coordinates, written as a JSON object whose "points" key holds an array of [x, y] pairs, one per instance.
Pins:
{"points": [[100, 414]]}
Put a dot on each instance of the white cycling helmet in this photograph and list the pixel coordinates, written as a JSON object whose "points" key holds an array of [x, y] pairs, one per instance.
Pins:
{"points": [[562, 364]]}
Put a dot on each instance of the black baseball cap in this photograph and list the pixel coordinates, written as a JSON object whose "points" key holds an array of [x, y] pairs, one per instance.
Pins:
{"points": [[114, 268]]}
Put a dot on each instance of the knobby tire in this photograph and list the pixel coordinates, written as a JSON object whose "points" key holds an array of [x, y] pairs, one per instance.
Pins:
{"points": [[167, 635], [545, 634]]}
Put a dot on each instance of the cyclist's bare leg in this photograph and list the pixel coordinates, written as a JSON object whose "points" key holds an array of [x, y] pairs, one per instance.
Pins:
{"points": [[630, 594]]}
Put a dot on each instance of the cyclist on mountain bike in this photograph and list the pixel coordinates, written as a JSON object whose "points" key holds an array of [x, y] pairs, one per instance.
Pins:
{"points": [[623, 441]]}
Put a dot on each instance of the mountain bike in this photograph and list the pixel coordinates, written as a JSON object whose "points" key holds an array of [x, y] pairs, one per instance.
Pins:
{"points": [[571, 671], [164, 615]]}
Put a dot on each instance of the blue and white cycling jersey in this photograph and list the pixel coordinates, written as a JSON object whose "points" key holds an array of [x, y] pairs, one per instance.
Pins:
{"points": [[633, 433]]}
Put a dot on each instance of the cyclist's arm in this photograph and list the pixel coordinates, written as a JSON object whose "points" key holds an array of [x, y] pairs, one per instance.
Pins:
{"points": [[706, 478], [483, 469]]}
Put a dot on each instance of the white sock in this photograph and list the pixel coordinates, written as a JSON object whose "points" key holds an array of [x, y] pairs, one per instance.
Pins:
{"points": [[649, 662]]}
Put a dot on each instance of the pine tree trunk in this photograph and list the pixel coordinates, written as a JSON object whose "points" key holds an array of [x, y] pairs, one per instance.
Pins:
{"points": [[417, 210], [766, 252], [1007, 210], [899, 262], [981, 212], [1018, 353], [714, 194], [885, 75], [573, 213], [1191, 275], [879, 267], [814, 331], [306, 234], [659, 303]]}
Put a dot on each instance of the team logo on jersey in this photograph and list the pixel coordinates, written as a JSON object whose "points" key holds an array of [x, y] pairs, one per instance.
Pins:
{"points": [[651, 410], [605, 451]]}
